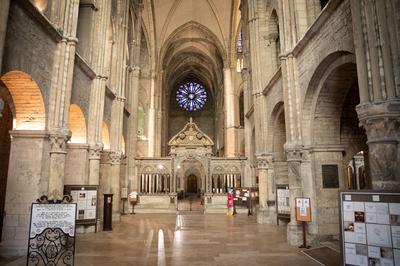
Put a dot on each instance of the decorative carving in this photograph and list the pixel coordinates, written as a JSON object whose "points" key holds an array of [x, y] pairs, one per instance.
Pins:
{"points": [[115, 157], [264, 161], [190, 135], [58, 143], [95, 152]]}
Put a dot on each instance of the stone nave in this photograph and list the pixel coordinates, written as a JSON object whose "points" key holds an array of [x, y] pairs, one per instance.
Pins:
{"points": [[178, 99]]}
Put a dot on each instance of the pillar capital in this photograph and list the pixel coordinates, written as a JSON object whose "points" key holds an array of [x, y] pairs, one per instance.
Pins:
{"points": [[58, 141], [95, 151], [264, 161], [115, 157]]}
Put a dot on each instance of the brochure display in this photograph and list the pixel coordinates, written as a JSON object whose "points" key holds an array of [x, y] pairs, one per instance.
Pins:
{"points": [[370, 227], [86, 199], [52, 234]]}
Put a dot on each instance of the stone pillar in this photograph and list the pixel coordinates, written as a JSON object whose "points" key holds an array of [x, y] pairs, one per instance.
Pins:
{"points": [[98, 86], [294, 230], [4, 7], [229, 103], [267, 211], [60, 96], [115, 159], [27, 180], [58, 152], [152, 118], [94, 164], [133, 95], [375, 27], [131, 144]]}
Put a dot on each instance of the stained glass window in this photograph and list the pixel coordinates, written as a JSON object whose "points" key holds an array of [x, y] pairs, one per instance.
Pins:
{"points": [[191, 96]]}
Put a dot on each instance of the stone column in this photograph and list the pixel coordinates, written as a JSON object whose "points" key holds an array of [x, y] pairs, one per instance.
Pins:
{"points": [[229, 103], [152, 118], [27, 180], [267, 211], [133, 95], [115, 159], [97, 92], [94, 164], [60, 96], [4, 7], [294, 230], [376, 26]]}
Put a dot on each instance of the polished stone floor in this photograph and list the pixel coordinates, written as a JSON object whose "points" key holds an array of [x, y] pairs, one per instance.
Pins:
{"points": [[189, 238]]}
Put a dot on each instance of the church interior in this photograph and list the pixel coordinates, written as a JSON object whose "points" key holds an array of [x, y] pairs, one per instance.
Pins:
{"points": [[164, 107]]}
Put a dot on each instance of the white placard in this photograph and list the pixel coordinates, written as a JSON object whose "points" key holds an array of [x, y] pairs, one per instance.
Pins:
{"points": [[53, 216], [396, 236], [379, 235], [394, 208]]}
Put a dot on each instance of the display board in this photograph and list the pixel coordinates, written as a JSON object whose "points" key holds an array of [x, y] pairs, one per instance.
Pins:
{"points": [[241, 197], [52, 234], [370, 227], [86, 199], [303, 209], [283, 201]]}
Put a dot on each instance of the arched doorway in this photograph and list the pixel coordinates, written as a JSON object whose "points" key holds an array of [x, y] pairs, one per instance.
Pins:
{"points": [[191, 184]]}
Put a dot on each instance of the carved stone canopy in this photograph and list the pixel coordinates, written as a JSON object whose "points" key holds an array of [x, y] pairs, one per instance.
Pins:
{"points": [[191, 135]]}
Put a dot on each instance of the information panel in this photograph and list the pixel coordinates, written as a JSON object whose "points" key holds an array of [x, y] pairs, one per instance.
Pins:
{"points": [[370, 228], [303, 210], [52, 216], [86, 199], [52, 234], [283, 200]]}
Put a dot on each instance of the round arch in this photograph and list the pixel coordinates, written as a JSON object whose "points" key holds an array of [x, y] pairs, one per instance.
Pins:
{"points": [[77, 124], [105, 136], [328, 66], [27, 101]]}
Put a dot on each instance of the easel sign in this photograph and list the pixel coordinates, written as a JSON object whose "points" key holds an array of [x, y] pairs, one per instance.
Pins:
{"points": [[52, 234], [303, 210], [303, 215]]}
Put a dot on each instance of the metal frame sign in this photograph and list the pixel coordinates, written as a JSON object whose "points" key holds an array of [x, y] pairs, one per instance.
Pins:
{"points": [[52, 234], [370, 227]]}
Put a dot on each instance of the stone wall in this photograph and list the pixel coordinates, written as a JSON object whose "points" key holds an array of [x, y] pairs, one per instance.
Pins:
{"points": [[30, 47]]}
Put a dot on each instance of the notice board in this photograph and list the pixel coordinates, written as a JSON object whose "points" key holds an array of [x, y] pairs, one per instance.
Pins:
{"points": [[303, 209], [86, 199], [283, 201], [370, 227]]}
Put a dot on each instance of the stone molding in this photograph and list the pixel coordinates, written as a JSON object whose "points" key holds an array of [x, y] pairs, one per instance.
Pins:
{"points": [[31, 134]]}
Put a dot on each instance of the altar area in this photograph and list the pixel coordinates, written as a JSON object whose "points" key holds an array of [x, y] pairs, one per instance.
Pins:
{"points": [[189, 170]]}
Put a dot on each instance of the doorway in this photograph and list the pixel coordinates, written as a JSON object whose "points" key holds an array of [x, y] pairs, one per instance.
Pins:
{"points": [[191, 184]]}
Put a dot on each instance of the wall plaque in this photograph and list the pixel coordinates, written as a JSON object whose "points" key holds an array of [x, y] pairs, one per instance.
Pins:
{"points": [[330, 176]]}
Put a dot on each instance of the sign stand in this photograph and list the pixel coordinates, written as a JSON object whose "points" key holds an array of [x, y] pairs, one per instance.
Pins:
{"points": [[52, 232], [304, 236], [303, 215], [133, 198]]}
